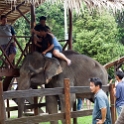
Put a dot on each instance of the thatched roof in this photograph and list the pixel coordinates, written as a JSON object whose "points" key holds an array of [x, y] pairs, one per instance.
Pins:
{"points": [[12, 7], [11, 10]]}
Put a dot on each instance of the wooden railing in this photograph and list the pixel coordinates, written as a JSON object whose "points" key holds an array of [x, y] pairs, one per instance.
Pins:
{"points": [[24, 50], [52, 91]]}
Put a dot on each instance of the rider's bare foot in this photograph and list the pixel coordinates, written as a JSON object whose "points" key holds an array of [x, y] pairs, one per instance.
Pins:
{"points": [[68, 62]]}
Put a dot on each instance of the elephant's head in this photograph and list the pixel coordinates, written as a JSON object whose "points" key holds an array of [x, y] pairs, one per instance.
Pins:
{"points": [[37, 69], [45, 73]]}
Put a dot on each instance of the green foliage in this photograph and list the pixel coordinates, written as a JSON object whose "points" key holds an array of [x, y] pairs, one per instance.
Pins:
{"points": [[96, 36], [119, 17], [55, 17], [55, 20]]}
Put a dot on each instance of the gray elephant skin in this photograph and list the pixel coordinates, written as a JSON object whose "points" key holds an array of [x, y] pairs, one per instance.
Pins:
{"points": [[37, 70]]}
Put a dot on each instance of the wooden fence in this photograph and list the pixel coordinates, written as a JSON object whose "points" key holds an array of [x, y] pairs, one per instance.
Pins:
{"points": [[67, 115]]}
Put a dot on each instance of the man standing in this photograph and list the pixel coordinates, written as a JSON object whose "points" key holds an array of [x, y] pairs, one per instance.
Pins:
{"points": [[101, 111], [119, 92], [41, 24], [7, 33]]}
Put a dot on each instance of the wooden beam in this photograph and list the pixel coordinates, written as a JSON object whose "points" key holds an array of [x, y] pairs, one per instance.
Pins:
{"points": [[2, 11], [49, 91], [12, 21], [116, 62], [15, 8], [47, 118], [31, 106], [9, 72], [23, 15]]}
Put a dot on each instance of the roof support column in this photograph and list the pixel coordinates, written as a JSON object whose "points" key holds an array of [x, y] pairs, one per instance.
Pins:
{"points": [[33, 20], [70, 29], [33, 23]]}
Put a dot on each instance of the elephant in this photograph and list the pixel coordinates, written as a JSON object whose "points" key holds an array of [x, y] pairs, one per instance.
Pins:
{"points": [[38, 69]]}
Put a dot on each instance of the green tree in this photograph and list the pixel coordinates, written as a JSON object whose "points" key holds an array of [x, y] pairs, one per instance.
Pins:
{"points": [[55, 20], [119, 17], [95, 35], [55, 17]]}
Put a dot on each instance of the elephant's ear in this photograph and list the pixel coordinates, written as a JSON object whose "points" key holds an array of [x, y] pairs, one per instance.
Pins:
{"points": [[52, 67]]}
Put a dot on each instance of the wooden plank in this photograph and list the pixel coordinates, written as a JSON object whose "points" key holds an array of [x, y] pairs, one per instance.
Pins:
{"points": [[13, 108], [85, 89], [67, 100], [36, 119], [9, 72], [2, 106], [111, 64], [81, 113], [46, 118], [32, 93], [46, 91]]}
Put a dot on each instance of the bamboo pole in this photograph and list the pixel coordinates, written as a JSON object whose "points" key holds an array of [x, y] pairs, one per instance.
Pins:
{"points": [[67, 101]]}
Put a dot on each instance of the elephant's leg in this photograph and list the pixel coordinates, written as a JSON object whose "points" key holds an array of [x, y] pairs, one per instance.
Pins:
{"points": [[23, 84], [62, 101], [51, 106]]}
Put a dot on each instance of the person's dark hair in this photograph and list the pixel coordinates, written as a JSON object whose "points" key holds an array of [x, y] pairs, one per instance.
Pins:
{"points": [[97, 81], [44, 29], [120, 74], [3, 16], [42, 18]]}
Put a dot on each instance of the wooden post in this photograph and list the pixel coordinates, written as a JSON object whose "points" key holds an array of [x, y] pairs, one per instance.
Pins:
{"points": [[36, 112], [8, 107], [70, 29], [74, 109], [67, 101], [112, 102], [2, 106], [33, 20]]}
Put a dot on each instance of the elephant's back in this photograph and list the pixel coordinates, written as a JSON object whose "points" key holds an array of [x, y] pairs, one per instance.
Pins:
{"points": [[84, 67]]}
